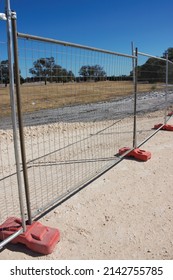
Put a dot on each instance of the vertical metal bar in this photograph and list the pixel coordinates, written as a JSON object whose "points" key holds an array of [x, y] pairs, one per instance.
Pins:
{"points": [[133, 63], [13, 112], [20, 120], [135, 79], [166, 87]]}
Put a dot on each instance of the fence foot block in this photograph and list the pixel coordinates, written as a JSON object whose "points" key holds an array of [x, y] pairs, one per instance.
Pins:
{"points": [[168, 127], [38, 238], [170, 114], [136, 153]]}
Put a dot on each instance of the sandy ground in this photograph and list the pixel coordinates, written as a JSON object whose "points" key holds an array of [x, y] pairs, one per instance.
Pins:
{"points": [[127, 213]]}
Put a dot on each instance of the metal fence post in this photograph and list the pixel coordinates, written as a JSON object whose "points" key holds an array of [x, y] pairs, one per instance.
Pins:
{"points": [[20, 120], [13, 112], [135, 79], [166, 87]]}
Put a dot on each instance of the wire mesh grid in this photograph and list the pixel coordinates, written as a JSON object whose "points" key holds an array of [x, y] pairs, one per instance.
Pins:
{"points": [[9, 200], [77, 109], [154, 94]]}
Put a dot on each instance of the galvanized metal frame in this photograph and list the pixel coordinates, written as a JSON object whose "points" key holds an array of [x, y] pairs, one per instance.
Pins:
{"points": [[9, 16], [167, 61], [20, 120], [114, 161], [135, 144], [64, 43], [135, 98]]}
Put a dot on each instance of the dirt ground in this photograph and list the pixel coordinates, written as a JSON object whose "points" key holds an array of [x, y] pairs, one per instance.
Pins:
{"points": [[127, 213]]}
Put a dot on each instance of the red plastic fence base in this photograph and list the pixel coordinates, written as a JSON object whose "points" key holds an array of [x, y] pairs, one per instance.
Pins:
{"points": [[38, 238], [168, 127], [136, 153], [170, 114]]}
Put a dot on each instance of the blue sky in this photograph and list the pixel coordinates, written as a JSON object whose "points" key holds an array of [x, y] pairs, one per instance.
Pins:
{"points": [[110, 24]]}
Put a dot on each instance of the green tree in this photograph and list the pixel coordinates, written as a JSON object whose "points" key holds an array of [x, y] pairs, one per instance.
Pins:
{"points": [[94, 72], [43, 68], [4, 72], [71, 76], [170, 65], [154, 70], [170, 54], [47, 70], [62, 75]]}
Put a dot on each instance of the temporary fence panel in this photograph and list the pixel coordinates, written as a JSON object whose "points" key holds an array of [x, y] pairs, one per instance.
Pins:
{"points": [[11, 191], [80, 105], [9, 204], [154, 94], [77, 106], [169, 90]]}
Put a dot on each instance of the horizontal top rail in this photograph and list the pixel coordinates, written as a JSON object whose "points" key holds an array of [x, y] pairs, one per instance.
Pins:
{"points": [[152, 56], [64, 43]]}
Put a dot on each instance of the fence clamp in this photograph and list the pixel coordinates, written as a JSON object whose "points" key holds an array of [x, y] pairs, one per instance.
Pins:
{"points": [[38, 238], [3, 16], [13, 15]]}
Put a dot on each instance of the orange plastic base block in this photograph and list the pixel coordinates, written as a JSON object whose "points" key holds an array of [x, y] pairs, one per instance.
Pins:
{"points": [[170, 114], [168, 127], [38, 238], [136, 153]]}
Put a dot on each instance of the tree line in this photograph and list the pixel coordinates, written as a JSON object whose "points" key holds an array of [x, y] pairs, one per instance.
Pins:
{"points": [[154, 70], [46, 70]]}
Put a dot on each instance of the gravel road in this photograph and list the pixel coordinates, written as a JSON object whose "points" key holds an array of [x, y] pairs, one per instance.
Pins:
{"points": [[117, 109]]}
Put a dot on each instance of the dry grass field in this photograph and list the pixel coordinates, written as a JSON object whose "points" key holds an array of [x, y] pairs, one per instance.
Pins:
{"points": [[37, 96]]}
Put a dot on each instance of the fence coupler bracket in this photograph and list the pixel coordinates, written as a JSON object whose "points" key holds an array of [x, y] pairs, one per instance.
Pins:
{"points": [[136, 153], [168, 127], [3, 16], [38, 238]]}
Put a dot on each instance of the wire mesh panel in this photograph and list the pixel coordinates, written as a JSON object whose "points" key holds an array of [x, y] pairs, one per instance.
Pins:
{"points": [[154, 97], [169, 89], [10, 204], [77, 105]]}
